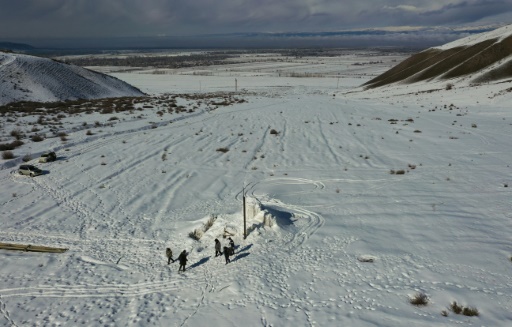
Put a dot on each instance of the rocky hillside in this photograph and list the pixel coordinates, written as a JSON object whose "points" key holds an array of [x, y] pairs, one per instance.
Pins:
{"points": [[29, 78], [481, 58]]}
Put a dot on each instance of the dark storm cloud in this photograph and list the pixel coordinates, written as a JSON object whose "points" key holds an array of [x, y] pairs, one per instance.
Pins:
{"points": [[135, 18]]}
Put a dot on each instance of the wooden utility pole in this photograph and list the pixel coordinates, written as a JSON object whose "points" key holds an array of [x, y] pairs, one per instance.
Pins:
{"points": [[245, 219], [236, 85]]}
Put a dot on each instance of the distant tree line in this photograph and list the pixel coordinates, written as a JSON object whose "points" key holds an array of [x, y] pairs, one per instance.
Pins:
{"points": [[192, 60]]}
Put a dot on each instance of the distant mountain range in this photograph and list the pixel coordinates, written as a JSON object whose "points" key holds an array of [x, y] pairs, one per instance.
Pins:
{"points": [[480, 58], [29, 78], [15, 46]]}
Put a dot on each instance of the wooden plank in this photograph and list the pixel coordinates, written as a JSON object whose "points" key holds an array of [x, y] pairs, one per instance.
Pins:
{"points": [[31, 248]]}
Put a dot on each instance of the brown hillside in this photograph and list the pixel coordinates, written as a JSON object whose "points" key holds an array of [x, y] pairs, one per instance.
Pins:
{"points": [[502, 72], [452, 63], [487, 57], [415, 59], [417, 65], [448, 63]]}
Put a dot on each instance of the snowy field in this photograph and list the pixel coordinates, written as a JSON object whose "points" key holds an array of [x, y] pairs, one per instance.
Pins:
{"points": [[374, 198]]}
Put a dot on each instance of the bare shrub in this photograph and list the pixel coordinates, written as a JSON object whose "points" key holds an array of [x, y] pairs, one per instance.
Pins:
{"points": [[10, 146], [470, 311], [164, 156], [223, 150], [209, 223], [448, 86], [274, 132], [89, 133], [456, 308], [466, 311], [17, 133], [7, 155], [27, 158], [473, 125], [400, 172], [37, 138], [419, 299]]}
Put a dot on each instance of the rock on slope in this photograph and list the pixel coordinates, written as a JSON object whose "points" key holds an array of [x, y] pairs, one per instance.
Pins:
{"points": [[481, 58], [29, 78]]}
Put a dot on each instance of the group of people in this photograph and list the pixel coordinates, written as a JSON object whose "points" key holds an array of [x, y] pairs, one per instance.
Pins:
{"points": [[228, 251], [182, 258]]}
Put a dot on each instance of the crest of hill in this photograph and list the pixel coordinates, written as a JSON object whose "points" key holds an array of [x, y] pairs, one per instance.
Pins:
{"points": [[481, 58], [29, 78]]}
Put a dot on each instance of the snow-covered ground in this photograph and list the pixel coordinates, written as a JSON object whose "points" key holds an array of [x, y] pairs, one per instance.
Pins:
{"points": [[351, 242]]}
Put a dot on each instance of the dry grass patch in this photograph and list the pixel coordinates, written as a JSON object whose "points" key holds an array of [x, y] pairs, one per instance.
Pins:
{"points": [[197, 233], [397, 172], [466, 311], [419, 299]]}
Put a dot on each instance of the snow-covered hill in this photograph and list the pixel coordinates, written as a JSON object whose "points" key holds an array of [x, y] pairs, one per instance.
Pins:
{"points": [[481, 58], [29, 78]]}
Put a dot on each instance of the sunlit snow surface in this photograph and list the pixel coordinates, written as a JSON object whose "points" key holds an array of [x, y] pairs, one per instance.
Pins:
{"points": [[351, 242]]}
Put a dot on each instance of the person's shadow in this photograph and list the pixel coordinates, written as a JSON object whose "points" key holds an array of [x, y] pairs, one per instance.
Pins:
{"points": [[240, 256], [200, 262], [242, 253], [245, 248]]}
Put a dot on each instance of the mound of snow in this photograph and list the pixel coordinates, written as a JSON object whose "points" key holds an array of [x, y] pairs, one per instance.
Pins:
{"points": [[29, 78]]}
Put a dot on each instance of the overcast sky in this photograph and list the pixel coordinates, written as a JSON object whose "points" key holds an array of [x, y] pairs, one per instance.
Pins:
{"points": [[33, 19]]}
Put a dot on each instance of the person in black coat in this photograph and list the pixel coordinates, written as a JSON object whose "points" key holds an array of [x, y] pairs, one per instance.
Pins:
{"points": [[183, 260], [217, 248], [226, 254], [232, 245]]}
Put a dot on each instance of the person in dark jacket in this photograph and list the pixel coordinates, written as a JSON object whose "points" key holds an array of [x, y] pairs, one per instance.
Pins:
{"points": [[168, 253], [226, 254], [182, 258], [232, 245], [217, 248]]}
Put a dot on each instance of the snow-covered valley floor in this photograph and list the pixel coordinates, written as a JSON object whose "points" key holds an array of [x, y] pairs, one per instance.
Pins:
{"points": [[353, 239]]}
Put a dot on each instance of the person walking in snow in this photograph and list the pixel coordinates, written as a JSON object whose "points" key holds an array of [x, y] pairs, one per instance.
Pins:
{"points": [[226, 254], [217, 248], [168, 253], [182, 258], [232, 245]]}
